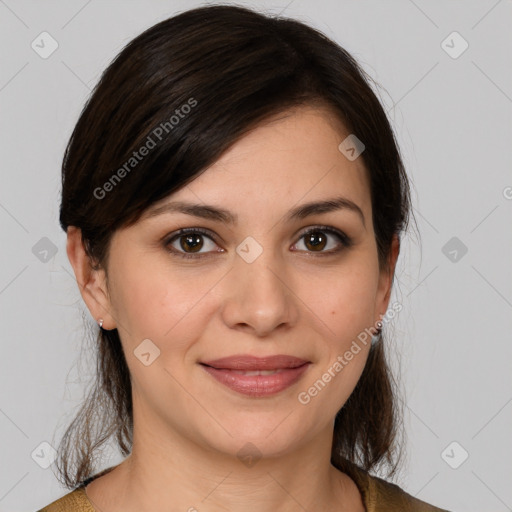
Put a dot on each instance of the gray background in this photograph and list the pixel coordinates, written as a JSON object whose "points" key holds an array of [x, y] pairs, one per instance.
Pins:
{"points": [[452, 118]]}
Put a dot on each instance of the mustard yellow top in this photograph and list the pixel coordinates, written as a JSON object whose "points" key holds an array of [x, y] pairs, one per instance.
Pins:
{"points": [[378, 496]]}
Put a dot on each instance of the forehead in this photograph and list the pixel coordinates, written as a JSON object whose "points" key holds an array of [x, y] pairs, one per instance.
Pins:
{"points": [[291, 158]]}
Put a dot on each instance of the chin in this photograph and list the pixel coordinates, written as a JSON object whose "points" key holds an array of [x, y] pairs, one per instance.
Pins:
{"points": [[257, 435]]}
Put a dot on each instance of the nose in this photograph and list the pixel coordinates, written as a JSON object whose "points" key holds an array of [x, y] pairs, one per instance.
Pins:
{"points": [[258, 296]]}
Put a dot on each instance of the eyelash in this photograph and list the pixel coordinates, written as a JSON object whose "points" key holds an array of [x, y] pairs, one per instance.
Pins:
{"points": [[345, 240]]}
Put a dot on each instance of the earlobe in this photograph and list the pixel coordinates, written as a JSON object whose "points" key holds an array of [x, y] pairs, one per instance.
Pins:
{"points": [[91, 282]]}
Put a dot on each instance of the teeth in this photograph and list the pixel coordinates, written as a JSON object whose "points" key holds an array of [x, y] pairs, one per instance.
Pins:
{"points": [[256, 372]]}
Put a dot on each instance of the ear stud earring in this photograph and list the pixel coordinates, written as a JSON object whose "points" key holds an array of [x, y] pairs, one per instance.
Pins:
{"points": [[100, 322], [376, 337]]}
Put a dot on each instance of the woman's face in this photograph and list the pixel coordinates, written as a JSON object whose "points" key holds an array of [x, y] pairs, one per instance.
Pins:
{"points": [[258, 286]]}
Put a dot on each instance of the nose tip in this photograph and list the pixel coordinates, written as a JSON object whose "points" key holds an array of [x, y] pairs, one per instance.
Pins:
{"points": [[260, 300]]}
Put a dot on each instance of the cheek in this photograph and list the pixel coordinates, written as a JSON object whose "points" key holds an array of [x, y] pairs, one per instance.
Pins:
{"points": [[348, 304], [161, 305]]}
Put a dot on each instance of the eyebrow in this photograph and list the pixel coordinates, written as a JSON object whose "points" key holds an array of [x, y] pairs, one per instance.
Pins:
{"points": [[215, 213]]}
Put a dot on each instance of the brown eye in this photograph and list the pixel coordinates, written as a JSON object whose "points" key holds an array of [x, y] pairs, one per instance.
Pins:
{"points": [[192, 243], [317, 239], [189, 242]]}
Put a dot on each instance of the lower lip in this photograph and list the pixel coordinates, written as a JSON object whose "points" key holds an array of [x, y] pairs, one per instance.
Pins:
{"points": [[258, 385]]}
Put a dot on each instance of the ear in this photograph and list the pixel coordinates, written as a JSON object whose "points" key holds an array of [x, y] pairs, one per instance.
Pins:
{"points": [[91, 283], [386, 279]]}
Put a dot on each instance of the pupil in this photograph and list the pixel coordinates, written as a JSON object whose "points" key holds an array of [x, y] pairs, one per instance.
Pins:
{"points": [[318, 240], [194, 241]]}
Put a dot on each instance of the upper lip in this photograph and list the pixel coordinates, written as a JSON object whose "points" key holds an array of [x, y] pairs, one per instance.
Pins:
{"points": [[246, 362]]}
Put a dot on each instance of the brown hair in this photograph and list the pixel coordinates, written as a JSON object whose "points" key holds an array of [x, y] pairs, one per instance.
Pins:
{"points": [[234, 68]]}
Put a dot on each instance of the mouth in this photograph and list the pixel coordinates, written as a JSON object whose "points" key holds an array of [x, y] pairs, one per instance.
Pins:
{"points": [[255, 376]]}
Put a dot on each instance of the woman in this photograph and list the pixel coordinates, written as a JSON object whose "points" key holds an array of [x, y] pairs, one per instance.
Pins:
{"points": [[234, 198]]}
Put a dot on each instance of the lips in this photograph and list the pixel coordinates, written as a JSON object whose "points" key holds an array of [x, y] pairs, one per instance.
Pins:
{"points": [[257, 376], [251, 363]]}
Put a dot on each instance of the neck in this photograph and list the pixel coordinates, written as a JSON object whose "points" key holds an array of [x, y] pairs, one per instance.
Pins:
{"points": [[166, 470]]}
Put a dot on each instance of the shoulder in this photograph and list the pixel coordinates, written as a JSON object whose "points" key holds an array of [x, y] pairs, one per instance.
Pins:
{"points": [[75, 501], [380, 495], [387, 496]]}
